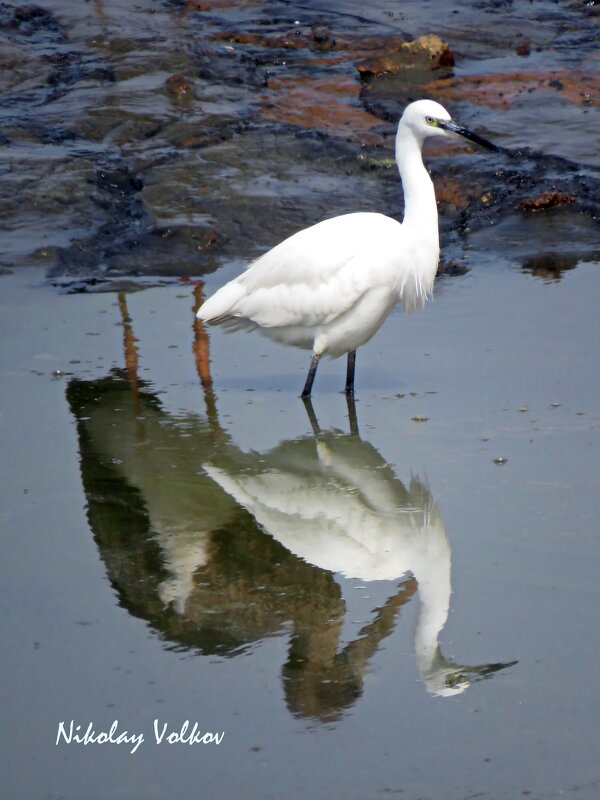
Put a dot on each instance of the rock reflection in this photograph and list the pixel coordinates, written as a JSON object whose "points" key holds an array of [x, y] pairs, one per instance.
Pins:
{"points": [[550, 266], [219, 548]]}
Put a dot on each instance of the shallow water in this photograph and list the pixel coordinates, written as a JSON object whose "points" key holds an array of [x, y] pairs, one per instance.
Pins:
{"points": [[140, 585], [394, 599]]}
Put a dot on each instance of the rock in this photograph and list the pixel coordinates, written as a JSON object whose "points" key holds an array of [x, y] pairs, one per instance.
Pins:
{"points": [[546, 200], [452, 268], [317, 38], [322, 38], [501, 90], [426, 52], [20, 69], [177, 85], [523, 48], [322, 104]]}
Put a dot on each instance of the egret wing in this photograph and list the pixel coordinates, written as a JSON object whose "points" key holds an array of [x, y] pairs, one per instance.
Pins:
{"points": [[310, 278]]}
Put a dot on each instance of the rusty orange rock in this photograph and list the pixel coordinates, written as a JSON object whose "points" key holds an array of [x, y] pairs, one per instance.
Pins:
{"points": [[318, 38], [177, 84], [325, 104], [453, 191], [426, 52], [501, 90], [546, 200]]}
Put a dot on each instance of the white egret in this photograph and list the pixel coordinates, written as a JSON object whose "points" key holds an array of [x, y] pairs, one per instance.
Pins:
{"points": [[330, 287]]}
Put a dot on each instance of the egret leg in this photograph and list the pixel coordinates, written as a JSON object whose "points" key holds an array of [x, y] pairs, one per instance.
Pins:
{"points": [[350, 373], [310, 378], [312, 417], [352, 418]]}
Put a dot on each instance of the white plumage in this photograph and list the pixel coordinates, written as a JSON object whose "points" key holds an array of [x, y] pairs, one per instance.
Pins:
{"points": [[329, 287]]}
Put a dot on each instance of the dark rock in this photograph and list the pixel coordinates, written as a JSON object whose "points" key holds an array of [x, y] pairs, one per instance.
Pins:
{"points": [[523, 48], [452, 268]]}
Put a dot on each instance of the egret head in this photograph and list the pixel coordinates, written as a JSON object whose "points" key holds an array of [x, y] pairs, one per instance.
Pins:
{"points": [[427, 118]]}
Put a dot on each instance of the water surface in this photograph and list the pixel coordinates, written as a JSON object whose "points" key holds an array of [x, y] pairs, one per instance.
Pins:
{"points": [[159, 564]]}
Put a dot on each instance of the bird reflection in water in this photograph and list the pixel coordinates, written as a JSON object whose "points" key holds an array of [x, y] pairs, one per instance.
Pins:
{"points": [[219, 548], [331, 500]]}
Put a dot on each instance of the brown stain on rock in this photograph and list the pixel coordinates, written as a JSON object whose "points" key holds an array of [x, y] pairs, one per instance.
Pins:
{"points": [[319, 39], [546, 200], [209, 5], [450, 190], [323, 104], [501, 91]]}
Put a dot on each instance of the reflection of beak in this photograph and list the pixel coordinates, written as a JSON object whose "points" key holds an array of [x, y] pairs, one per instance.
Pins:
{"points": [[452, 127], [457, 681]]}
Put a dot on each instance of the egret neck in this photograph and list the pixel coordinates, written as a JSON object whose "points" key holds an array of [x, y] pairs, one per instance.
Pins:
{"points": [[420, 208]]}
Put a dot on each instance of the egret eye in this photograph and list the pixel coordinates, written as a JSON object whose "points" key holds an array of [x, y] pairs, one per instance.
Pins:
{"points": [[430, 120]]}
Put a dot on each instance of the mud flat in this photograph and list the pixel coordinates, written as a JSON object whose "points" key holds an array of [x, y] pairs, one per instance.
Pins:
{"points": [[167, 139]]}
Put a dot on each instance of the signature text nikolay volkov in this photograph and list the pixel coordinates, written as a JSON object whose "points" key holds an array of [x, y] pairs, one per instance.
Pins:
{"points": [[188, 733]]}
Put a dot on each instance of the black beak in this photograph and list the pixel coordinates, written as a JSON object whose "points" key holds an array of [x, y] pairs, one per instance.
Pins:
{"points": [[452, 127]]}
